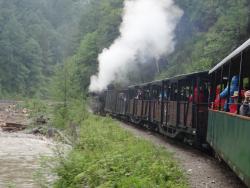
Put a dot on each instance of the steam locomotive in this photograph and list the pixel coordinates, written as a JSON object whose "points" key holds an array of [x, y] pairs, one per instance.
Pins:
{"points": [[183, 107]]}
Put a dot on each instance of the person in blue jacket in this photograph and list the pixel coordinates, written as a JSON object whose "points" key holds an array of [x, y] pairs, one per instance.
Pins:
{"points": [[234, 86]]}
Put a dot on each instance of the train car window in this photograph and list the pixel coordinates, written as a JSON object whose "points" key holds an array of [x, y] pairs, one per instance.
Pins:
{"points": [[244, 91], [174, 92], [131, 93], [158, 93], [154, 94], [185, 91], [231, 84], [189, 91], [197, 94], [165, 92], [203, 92], [146, 94], [169, 93], [139, 94]]}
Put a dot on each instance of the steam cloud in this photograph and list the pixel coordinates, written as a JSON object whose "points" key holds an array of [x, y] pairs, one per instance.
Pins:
{"points": [[147, 31]]}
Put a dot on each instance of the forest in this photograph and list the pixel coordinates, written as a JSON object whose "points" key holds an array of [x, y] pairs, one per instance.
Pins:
{"points": [[35, 36]]}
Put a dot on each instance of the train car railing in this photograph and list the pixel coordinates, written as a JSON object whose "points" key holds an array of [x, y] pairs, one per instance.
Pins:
{"points": [[172, 113], [138, 108], [131, 107], [121, 106], [185, 114], [201, 119], [155, 114], [145, 109]]}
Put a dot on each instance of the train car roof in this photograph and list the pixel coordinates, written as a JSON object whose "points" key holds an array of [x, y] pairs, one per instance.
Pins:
{"points": [[230, 56], [186, 76], [179, 77], [156, 82], [139, 85]]}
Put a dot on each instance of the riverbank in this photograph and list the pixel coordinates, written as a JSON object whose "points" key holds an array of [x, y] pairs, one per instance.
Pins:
{"points": [[21, 153]]}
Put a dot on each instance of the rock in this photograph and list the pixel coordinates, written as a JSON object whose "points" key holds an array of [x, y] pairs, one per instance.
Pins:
{"points": [[51, 132], [37, 131], [41, 120], [25, 111]]}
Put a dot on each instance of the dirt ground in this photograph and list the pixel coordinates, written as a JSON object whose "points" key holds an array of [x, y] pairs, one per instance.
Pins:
{"points": [[201, 170], [20, 153]]}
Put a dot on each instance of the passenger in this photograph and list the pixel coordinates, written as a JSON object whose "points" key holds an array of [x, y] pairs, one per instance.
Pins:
{"points": [[164, 95], [139, 94], [194, 98], [234, 86], [233, 107], [245, 107], [218, 101]]}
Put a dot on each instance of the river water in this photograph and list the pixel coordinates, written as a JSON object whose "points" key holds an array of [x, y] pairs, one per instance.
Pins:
{"points": [[20, 156]]}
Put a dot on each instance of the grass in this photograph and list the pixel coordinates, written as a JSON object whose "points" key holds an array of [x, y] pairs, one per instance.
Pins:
{"points": [[37, 107], [108, 156]]}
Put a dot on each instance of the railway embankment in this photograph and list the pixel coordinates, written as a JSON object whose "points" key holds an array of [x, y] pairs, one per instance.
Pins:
{"points": [[201, 170]]}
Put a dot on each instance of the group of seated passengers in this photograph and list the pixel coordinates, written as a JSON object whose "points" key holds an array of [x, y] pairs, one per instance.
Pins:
{"points": [[232, 104], [142, 95]]}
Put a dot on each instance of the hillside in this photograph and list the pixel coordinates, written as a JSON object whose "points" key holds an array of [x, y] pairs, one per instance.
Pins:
{"points": [[37, 36], [208, 31], [34, 37]]}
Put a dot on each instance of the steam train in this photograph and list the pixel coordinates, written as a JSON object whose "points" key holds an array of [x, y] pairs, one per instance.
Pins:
{"points": [[182, 107]]}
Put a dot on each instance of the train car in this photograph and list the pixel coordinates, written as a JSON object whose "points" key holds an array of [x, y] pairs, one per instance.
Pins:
{"points": [[228, 131], [177, 106], [138, 103], [116, 102], [122, 102], [184, 107], [96, 102], [155, 104], [110, 101]]}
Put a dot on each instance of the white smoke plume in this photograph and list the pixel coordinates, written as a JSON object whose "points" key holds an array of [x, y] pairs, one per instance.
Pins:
{"points": [[147, 31]]}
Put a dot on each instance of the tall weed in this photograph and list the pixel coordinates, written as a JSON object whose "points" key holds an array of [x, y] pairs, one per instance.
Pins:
{"points": [[108, 156]]}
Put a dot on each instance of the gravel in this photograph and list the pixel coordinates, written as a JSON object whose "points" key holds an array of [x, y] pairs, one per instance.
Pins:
{"points": [[202, 171]]}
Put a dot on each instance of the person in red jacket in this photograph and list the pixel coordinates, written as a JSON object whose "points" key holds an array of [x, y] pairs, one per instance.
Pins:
{"points": [[218, 102], [233, 107], [197, 98]]}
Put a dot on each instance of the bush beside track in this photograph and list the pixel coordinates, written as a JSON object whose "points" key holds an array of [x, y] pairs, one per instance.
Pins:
{"points": [[108, 156]]}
